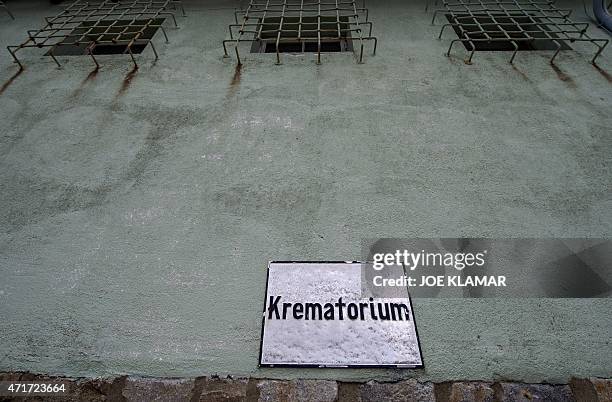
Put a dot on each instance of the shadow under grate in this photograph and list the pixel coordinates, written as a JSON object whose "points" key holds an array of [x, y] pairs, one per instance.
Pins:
{"points": [[300, 35], [97, 37], [517, 25], [504, 30], [102, 27], [297, 26]]}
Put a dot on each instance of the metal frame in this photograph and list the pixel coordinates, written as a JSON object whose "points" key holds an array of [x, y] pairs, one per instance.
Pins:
{"points": [[2, 5], [553, 24], [298, 365], [349, 20], [89, 24]]}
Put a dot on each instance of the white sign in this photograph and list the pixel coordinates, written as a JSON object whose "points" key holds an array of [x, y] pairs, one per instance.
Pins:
{"points": [[316, 315]]}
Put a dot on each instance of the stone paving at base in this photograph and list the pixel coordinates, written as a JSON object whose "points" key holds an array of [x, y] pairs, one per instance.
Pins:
{"points": [[214, 388]]}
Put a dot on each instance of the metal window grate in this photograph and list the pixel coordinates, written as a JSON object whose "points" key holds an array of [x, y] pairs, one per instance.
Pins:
{"points": [[107, 23], [301, 24], [2, 5], [513, 24], [343, 43], [66, 48]]}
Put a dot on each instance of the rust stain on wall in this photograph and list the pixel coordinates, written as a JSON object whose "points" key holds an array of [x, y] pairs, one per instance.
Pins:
{"points": [[563, 77], [235, 82], [237, 75], [520, 72], [83, 83], [10, 81], [127, 81], [603, 72]]}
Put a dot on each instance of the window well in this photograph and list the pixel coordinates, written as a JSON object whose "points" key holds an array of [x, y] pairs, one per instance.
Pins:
{"points": [[517, 25], [108, 37], [300, 35], [500, 32], [102, 27], [294, 26]]}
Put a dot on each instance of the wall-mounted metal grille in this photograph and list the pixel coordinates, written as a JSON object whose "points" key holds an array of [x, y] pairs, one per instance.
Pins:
{"points": [[3, 6], [126, 26], [513, 25], [288, 26], [343, 43], [91, 30]]}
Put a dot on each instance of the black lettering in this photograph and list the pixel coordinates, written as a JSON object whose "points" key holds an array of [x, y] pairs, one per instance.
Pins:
{"points": [[286, 306], [340, 304], [298, 311], [273, 307], [314, 311], [362, 306], [372, 312], [380, 313], [329, 311], [398, 307]]}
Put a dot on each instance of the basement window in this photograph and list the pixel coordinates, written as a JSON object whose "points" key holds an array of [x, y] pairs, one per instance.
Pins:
{"points": [[301, 35], [110, 36], [504, 30]]}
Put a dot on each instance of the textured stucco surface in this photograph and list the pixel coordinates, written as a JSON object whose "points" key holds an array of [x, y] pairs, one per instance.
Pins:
{"points": [[137, 217]]}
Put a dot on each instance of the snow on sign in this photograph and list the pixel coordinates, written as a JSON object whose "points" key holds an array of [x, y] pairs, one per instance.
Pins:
{"points": [[317, 315]]}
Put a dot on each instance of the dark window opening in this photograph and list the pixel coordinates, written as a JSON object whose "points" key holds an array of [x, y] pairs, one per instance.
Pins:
{"points": [[112, 37], [270, 47], [518, 27], [325, 47], [302, 35]]}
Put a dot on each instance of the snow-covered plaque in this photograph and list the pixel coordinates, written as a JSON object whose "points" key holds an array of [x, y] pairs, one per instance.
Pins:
{"points": [[317, 315]]}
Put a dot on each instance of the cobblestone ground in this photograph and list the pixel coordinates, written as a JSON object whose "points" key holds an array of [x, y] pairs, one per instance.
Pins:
{"points": [[213, 389]]}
